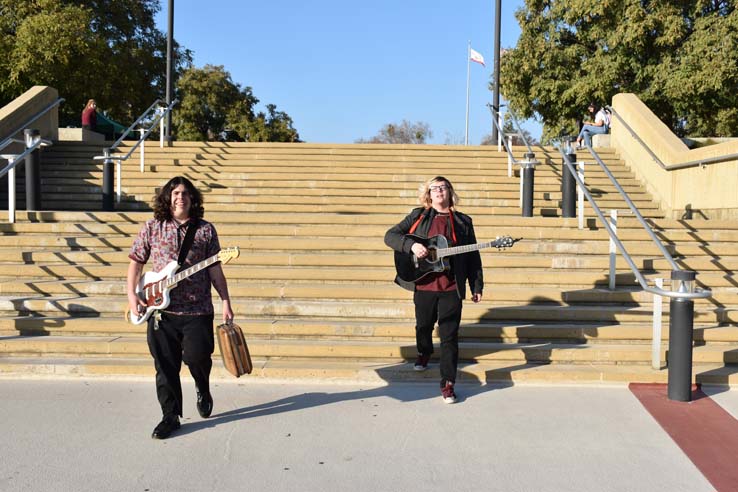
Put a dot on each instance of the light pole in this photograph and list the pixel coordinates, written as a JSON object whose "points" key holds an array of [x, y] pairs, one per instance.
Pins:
{"points": [[170, 61], [496, 73]]}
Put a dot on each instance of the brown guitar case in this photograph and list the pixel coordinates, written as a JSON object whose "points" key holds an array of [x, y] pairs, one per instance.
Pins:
{"points": [[233, 349]]}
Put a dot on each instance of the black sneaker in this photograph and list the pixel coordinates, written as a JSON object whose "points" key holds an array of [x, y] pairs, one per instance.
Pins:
{"points": [[421, 363], [165, 428]]}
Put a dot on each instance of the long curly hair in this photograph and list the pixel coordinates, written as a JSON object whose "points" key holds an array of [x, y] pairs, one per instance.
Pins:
{"points": [[424, 192], [163, 200]]}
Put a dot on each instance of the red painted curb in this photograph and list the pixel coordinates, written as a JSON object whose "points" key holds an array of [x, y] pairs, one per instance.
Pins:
{"points": [[706, 433]]}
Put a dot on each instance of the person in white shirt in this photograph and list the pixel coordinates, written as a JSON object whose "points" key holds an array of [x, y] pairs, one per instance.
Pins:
{"points": [[600, 125]]}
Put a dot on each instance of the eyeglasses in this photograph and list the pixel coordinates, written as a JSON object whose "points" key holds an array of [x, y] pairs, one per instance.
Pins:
{"points": [[438, 188]]}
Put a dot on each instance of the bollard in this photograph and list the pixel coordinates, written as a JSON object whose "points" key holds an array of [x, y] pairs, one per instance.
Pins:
{"points": [[107, 187], [528, 176], [681, 328], [568, 186], [33, 171]]}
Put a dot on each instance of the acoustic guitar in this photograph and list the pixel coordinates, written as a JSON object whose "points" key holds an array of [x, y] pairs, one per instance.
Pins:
{"points": [[410, 268]]}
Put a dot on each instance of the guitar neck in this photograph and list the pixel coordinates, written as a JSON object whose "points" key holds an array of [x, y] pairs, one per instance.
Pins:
{"points": [[457, 250], [188, 272]]}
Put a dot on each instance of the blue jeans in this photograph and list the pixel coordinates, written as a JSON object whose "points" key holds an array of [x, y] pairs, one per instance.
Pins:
{"points": [[589, 130]]}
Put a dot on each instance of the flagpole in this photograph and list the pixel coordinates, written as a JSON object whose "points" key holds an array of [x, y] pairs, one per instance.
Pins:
{"points": [[466, 127]]}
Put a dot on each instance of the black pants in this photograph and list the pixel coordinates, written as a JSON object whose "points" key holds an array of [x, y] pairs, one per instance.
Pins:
{"points": [[444, 307], [180, 338]]}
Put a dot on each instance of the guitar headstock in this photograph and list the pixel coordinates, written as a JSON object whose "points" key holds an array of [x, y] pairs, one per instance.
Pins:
{"points": [[504, 242], [228, 254]]}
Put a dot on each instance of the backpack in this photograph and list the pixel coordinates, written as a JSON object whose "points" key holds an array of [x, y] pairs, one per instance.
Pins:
{"points": [[608, 117]]}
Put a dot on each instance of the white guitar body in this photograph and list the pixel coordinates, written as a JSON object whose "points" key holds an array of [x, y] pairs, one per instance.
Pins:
{"points": [[153, 287]]}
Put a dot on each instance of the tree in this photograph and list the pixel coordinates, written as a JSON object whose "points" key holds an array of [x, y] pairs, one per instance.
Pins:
{"points": [[109, 50], [404, 133], [678, 56], [214, 107], [273, 126]]}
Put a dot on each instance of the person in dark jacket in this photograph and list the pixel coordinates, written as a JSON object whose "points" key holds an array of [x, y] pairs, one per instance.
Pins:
{"points": [[438, 296]]}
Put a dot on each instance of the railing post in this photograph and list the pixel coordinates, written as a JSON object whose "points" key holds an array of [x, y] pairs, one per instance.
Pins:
{"points": [[681, 330], [528, 178], [118, 178], [33, 173], [161, 129], [143, 145], [613, 249], [11, 191], [656, 335], [107, 187], [500, 134], [568, 186], [509, 157], [580, 195]]}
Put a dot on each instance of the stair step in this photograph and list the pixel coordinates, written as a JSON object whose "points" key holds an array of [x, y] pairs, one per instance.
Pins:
{"points": [[372, 329], [377, 372], [389, 351]]}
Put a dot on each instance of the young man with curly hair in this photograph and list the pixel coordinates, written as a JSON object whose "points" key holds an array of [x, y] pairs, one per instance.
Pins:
{"points": [[183, 331]]}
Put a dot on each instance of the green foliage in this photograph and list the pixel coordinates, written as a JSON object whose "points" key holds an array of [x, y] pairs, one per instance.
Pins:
{"points": [[678, 56], [108, 50], [404, 133], [213, 107]]}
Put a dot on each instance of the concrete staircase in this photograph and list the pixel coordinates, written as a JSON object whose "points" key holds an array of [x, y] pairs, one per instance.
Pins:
{"points": [[313, 286]]}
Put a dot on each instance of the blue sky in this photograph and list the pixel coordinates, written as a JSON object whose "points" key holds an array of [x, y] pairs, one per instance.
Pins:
{"points": [[343, 69]]}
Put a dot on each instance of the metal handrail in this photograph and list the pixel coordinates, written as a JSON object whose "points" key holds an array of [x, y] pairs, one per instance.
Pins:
{"points": [[143, 116], [698, 294], [9, 140], [15, 159], [520, 131], [108, 158], [499, 130], [159, 115], [671, 167]]}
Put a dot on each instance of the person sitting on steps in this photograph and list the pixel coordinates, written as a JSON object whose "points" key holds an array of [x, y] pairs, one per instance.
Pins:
{"points": [[599, 126]]}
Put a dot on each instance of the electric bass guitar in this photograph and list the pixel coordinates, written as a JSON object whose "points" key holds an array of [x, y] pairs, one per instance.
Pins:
{"points": [[153, 287], [410, 268]]}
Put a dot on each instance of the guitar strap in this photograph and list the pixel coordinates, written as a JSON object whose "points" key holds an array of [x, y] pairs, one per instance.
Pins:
{"points": [[417, 223], [451, 219], [187, 243], [183, 250]]}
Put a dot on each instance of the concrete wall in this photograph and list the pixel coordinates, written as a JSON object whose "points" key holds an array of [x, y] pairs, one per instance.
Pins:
{"points": [[710, 190], [23, 108]]}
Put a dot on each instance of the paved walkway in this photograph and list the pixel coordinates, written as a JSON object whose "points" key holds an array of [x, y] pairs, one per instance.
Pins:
{"points": [[93, 435]]}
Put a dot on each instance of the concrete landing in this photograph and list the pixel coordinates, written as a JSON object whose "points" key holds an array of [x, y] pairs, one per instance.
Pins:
{"points": [[91, 435]]}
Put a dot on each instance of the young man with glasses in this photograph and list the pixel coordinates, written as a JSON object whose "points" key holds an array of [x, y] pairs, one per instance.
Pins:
{"points": [[438, 296]]}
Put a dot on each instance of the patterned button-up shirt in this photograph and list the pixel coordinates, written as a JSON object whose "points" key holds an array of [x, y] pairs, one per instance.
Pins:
{"points": [[160, 242]]}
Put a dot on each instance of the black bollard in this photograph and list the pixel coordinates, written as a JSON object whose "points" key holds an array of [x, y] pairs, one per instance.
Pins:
{"points": [[681, 329], [529, 171], [568, 188], [107, 188], [33, 171]]}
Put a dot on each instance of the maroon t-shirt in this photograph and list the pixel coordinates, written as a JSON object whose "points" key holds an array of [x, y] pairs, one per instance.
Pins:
{"points": [[444, 281]]}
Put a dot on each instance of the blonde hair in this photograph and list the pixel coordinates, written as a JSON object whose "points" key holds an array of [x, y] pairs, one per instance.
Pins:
{"points": [[89, 103], [424, 192]]}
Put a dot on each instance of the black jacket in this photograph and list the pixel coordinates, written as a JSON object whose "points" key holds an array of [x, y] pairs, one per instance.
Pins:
{"points": [[465, 267]]}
